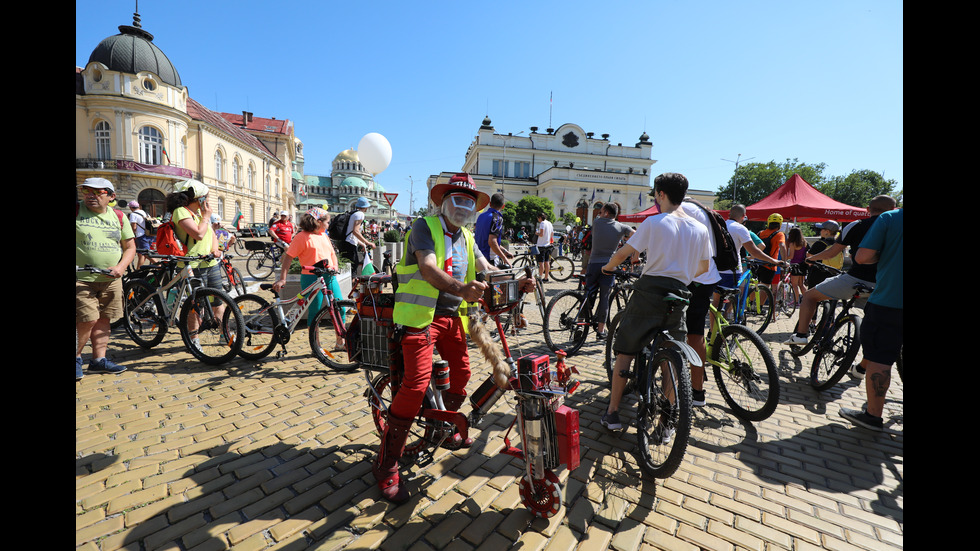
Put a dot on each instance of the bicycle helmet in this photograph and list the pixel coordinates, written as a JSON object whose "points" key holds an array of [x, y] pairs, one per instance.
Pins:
{"points": [[775, 217], [197, 188]]}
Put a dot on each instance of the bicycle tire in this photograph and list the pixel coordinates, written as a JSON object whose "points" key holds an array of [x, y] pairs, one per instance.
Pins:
{"points": [[239, 281], [751, 385], [562, 268], [143, 316], [836, 352], [216, 340], [260, 322], [420, 436], [609, 358], [260, 265], [758, 310], [561, 331], [656, 415], [323, 332], [784, 305]]}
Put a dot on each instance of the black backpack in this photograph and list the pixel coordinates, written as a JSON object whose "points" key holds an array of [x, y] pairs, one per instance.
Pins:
{"points": [[337, 230], [726, 255]]}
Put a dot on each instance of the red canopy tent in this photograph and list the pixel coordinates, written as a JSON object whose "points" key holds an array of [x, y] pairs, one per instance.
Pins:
{"points": [[798, 201], [639, 216]]}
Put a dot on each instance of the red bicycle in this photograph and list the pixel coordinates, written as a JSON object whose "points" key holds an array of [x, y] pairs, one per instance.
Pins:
{"points": [[548, 428]]}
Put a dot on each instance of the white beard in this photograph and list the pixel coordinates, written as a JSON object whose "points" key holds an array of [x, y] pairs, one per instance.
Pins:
{"points": [[457, 217]]}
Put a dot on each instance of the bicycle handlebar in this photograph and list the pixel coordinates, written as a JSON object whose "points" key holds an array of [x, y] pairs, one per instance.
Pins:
{"points": [[93, 269]]}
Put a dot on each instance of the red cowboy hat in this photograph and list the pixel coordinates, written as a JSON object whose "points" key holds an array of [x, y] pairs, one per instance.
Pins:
{"points": [[459, 182]]}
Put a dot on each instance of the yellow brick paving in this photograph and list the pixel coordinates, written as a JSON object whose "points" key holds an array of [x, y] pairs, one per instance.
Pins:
{"points": [[275, 455]]}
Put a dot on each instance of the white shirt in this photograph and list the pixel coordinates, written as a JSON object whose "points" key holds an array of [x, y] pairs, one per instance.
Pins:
{"points": [[357, 215], [740, 235], [544, 240], [675, 246], [694, 211]]}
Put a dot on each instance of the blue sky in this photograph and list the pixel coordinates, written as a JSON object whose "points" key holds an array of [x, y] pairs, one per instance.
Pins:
{"points": [[821, 81]]}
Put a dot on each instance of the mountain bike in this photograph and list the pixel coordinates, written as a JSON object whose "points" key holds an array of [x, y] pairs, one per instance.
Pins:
{"points": [[264, 259], [660, 376], [783, 294], [754, 306], [549, 430], [571, 313], [231, 278], [268, 324], [207, 318], [562, 267], [743, 365], [837, 338]]}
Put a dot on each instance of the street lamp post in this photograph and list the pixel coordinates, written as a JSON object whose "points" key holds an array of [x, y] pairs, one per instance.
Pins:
{"points": [[735, 176]]}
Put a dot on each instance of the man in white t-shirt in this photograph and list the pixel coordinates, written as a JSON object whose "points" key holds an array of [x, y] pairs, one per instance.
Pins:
{"points": [[545, 232], [351, 248], [742, 238], [678, 250]]}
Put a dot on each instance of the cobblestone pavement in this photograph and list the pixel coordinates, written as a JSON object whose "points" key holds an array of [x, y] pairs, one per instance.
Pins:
{"points": [[174, 454]]}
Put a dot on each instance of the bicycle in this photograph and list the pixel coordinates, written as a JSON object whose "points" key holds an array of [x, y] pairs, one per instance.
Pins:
{"points": [[755, 306], [743, 365], [570, 314], [268, 324], [548, 429], [515, 319], [837, 338], [231, 278], [180, 300], [783, 294], [562, 267], [660, 376], [264, 259]]}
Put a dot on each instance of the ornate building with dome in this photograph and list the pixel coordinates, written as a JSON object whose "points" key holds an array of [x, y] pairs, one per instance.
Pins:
{"points": [[348, 181], [137, 126]]}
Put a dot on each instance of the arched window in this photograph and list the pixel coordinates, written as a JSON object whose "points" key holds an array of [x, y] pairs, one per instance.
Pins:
{"points": [[267, 185], [218, 164], [150, 146], [103, 141], [251, 178], [235, 176]]}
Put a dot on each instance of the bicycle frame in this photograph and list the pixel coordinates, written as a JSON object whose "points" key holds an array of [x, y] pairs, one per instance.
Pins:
{"points": [[183, 279]]}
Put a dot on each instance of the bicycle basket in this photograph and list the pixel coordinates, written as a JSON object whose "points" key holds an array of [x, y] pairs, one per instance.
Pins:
{"points": [[501, 291], [255, 245], [375, 342]]}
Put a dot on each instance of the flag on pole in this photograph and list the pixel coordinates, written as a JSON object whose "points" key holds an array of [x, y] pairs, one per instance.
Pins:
{"points": [[562, 196], [593, 196], [238, 219], [165, 154]]}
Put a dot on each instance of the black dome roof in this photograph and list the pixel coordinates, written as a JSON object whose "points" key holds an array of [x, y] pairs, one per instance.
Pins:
{"points": [[132, 51]]}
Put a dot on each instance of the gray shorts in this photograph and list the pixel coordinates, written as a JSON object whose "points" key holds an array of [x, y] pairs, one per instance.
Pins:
{"points": [[842, 287], [647, 313]]}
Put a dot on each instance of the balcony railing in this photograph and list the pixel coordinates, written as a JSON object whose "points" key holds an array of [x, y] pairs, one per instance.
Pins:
{"points": [[133, 166]]}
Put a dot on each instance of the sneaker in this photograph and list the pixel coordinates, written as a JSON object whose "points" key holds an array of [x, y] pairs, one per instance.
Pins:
{"points": [[856, 372], [862, 419], [104, 365], [662, 435], [796, 339], [601, 335], [697, 397], [611, 421], [78, 369]]}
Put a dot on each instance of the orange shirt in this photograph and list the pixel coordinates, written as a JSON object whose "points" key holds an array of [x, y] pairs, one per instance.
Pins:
{"points": [[777, 240], [311, 248]]}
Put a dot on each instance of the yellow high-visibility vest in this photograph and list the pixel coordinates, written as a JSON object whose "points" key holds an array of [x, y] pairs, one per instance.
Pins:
{"points": [[415, 300]]}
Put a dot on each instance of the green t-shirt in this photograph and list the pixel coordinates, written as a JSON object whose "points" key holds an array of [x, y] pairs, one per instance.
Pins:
{"points": [[194, 247], [97, 241]]}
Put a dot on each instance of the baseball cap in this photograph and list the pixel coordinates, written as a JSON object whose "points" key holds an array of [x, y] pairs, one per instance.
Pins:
{"points": [[99, 183], [828, 225]]}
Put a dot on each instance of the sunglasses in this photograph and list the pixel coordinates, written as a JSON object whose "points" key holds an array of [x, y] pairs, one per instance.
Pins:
{"points": [[463, 201], [91, 191]]}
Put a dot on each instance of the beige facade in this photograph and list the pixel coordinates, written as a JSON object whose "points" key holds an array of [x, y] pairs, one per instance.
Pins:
{"points": [[141, 130]]}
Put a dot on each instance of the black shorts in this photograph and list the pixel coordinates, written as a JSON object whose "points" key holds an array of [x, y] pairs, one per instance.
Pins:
{"points": [[544, 253], [697, 312], [882, 333]]}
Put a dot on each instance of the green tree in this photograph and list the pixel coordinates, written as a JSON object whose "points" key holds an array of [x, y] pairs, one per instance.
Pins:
{"points": [[527, 209], [509, 215], [754, 181], [857, 188]]}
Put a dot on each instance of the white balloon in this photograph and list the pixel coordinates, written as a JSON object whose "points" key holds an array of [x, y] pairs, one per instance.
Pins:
{"points": [[374, 152]]}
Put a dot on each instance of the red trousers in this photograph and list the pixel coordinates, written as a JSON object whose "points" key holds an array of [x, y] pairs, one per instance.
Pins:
{"points": [[446, 335]]}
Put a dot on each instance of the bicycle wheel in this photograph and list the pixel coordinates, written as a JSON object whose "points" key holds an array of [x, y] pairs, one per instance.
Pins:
{"points": [[219, 328], [758, 311], [564, 328], [238, 282], [609, 358], [421, 433], [664, 416], [260, 323], [260, 265], [836, 353], [332, 346], [143, 314], [562, 268], [747, 377], [784, 300]]}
